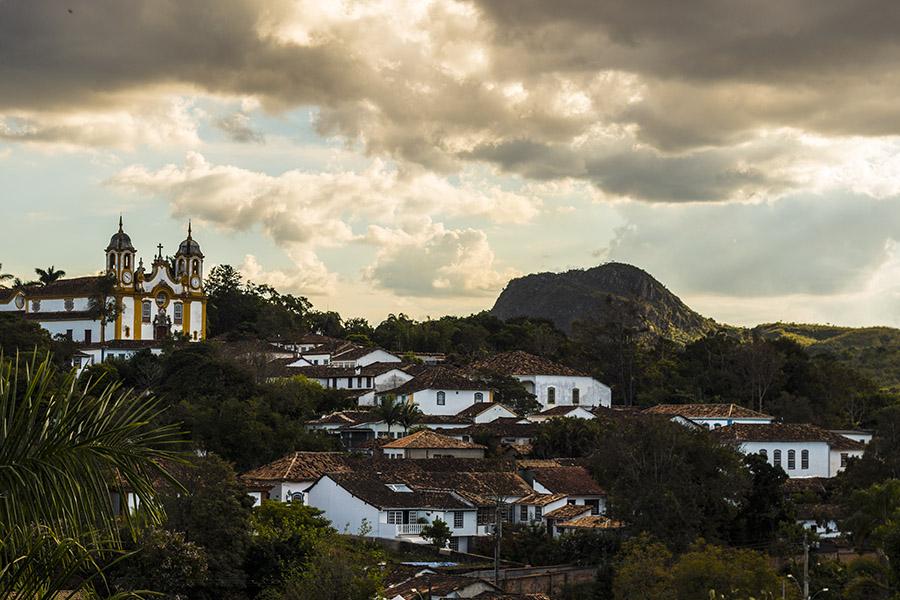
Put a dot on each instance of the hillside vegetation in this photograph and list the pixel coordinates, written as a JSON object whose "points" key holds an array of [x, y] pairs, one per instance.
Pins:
{"points": [[874, 351]]}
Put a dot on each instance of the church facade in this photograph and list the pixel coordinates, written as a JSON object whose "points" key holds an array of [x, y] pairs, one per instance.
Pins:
{"points": [[127, 308]]}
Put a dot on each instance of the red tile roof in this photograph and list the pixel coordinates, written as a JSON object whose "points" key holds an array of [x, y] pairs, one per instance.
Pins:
{"points": [[592, 522], [438, 584], [439, 378], [480, 407], [300, 466], [707, 411], [81, 287], [568, 511], [785, 432], [429, 439], [522, 363], [537, 499], [372, 488], [572, 481]]}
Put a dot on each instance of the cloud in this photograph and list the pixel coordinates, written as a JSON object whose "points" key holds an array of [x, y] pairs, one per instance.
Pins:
{"points": [[661, 101], [813, 245], [431, 260], [305, 212], [309, 276], [152, 123], [238, 128]]}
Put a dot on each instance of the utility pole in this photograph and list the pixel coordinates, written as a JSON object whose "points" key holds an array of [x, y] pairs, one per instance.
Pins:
{"points": [[805, 565], [498, 533]]}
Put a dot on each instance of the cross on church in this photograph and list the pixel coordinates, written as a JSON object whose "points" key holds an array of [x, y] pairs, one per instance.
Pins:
{"points": [[160, 246]]}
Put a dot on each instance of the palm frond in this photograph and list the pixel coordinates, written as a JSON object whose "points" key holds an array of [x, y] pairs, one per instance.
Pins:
{"points": [[63, 449]]}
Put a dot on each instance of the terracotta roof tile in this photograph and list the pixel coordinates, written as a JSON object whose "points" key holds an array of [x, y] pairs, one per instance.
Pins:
{"points": [[372, 488], [430, 439], [592, 522], [300, 466], [439, 584], [568, 511], [708, 411], [538, 499], [480, 407], [81, 287], [439, 378], [573, 481], [522, 363], [785, 432]]}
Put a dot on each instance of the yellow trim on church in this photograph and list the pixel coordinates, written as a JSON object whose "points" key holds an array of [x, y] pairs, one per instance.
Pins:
{"points": [[138, 317], [203, 319], [186, 318], [120, 306]]}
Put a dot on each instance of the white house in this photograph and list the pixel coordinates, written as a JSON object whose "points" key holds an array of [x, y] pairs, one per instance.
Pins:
{"points": [[432, 585], [560, 412], [288, 478], [552, 383], [373, 504], [801, 450], [858, 435], [441, 391], [428, 444], [712, 416], [486, 412], [574, 482]]}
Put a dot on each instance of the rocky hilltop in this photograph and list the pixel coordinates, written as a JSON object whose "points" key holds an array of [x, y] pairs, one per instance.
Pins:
{"points": [[607, 293]]}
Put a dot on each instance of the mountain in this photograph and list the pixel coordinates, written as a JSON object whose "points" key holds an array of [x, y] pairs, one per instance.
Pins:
{"points": [[609, 292], [874, 351]]}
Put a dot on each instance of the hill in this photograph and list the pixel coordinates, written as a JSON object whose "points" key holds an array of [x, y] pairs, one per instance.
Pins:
{"points": [[873, 350], [609, 292]]}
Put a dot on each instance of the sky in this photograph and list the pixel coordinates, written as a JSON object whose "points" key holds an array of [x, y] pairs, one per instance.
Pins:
{"points": [[393, 156]]}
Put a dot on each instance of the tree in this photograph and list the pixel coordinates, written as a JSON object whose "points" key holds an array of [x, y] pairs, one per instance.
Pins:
{"points": [[4, 276], [20, 336], [49, 275], [759, 364], [59, 445], [409, 415], [567, 438], [165, 562], [388, 410], [510, 392], [707, 571], [765, 508], [676, 483], [213, 511], [438, 533], [644, 571], [102, 304], [340, 570]]}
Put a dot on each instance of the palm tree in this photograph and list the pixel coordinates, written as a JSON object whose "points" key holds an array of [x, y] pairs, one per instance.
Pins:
{"points": [[64, 448], [49, 275], [4, 276], [102, 304], [388, 410], [409, 415]]}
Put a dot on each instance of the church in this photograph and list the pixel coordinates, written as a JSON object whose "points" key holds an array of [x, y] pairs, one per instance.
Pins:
{"points": [[129, 307]]}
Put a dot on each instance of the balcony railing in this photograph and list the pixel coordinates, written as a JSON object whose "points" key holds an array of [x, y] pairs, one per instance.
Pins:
{"points": [[410, 528]]}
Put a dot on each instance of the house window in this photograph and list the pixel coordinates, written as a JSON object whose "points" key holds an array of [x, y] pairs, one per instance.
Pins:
{"points": [[523, 513], [538, 513], [145, 311], [69, 333], [127, 331], [196, 267], [576, 395], [551, 395], [792, 460], [776, 458], [112, 262], [127, 261], [76, 362], [87, 336], [359, 382], [454, 543], [764, 453], [479, 397], [350, 383], [459, 519], [395, 517], [179, 313], [844, 459], [804, 459], [441, 398]]}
